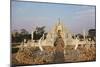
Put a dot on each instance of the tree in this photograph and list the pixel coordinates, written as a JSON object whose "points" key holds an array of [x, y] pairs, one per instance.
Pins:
{"points": [[24, 32], [38, 33], [80, 36], [92, 34], [15, 35]]}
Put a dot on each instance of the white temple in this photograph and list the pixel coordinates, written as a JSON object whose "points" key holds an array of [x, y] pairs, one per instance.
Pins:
{"points": [[50, 38]]}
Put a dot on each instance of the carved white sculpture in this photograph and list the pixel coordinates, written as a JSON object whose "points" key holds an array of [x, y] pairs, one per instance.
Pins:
{"points": [[66, 35]]}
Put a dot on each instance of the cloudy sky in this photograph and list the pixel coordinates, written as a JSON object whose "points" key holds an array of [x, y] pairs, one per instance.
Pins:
{"points": [[28, 15]]}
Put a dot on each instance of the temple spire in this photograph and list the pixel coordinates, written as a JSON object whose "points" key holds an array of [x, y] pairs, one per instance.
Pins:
{"points": [[59, 21]]}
